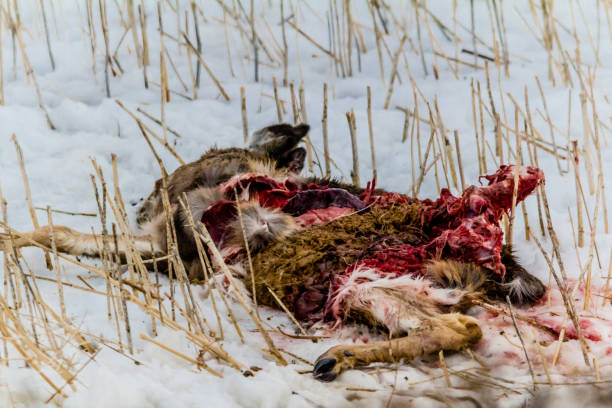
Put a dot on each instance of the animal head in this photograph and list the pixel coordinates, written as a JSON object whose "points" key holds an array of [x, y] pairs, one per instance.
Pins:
{"points": [[279, 142], [260, 225]]}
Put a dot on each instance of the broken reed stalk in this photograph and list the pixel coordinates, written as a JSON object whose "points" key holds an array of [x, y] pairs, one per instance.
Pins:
{"points": [[58, 273], [304, 119], [567, 301], [196, 26], [245, 124], [107, 59], [29, 70], [518, 332], [205, 236], [206, 68], [444, 368], [459, 161], [142, 17], [28, 193], [46, 26], [198, 339], [510, 238], [575, 163], [198, 363], [350, 117], [208, 273], [285, 48], [371, 133], [287, 311], [150, 132], [325, 138], [400, 49], [157, 121], [279, 112], [254, 42], [248, 251]]}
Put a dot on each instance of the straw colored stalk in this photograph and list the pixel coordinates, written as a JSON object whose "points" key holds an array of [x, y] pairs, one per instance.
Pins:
{"points": [[279, 111], [150, 132], [371, 133], [518, 333], [208, 275], [400, 49], [245, 124], [198, 363], [567, 301], [350, 117], [575, 163], [206, 68], [325, 138], [30, 72], [198, 339], [28, 193], [60, 288], [205, 236]]}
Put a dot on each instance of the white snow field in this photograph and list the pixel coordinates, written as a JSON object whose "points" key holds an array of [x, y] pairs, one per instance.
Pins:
{"points": [[40, 356]]}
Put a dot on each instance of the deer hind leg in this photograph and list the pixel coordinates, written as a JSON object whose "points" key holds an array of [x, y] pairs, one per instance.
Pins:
{"points": [[76, 243], [449, 332], [416, 307]]}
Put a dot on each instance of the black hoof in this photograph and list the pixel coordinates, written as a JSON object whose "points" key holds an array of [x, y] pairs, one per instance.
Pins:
{"points": [[323, 370]]}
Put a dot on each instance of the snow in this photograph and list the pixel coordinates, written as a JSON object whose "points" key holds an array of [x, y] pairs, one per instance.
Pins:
{"points": [[91, 126]]}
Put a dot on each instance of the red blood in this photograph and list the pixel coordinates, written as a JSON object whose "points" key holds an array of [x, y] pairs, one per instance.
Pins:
{"points": [[464, 228]]}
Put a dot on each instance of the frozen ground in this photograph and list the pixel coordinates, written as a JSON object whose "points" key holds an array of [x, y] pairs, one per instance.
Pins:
{"points": [[91, 126]]}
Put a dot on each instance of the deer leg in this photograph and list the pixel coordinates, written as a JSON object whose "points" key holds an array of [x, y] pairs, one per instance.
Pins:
{"points": [[76, 243], [447, 332]]}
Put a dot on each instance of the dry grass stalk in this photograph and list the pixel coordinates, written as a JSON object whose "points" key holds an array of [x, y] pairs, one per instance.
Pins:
{"points": [[28, 193], [60, 288], [608, 278], [575, 162], [245, 124], [157, 121], [304, 119], [208, 275], [377, 34], [444, 368], [206, 68], [371, 133], [279, 112], [459, 161], [285, 48], [142, 17], [287, 311], [205, 236], [133, 28], [475, 118], [325, 138], [552, 133], [400, 49], [482, 152], [350, 117], [150, 132], [198, 339], [294, 105], [568, 302], [587, 144], [199, 363], [248, 251], [518, 333], [313, 42]]}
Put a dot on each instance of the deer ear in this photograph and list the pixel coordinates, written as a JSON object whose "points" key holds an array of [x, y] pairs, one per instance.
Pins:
{"points": [[301, 130]]}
